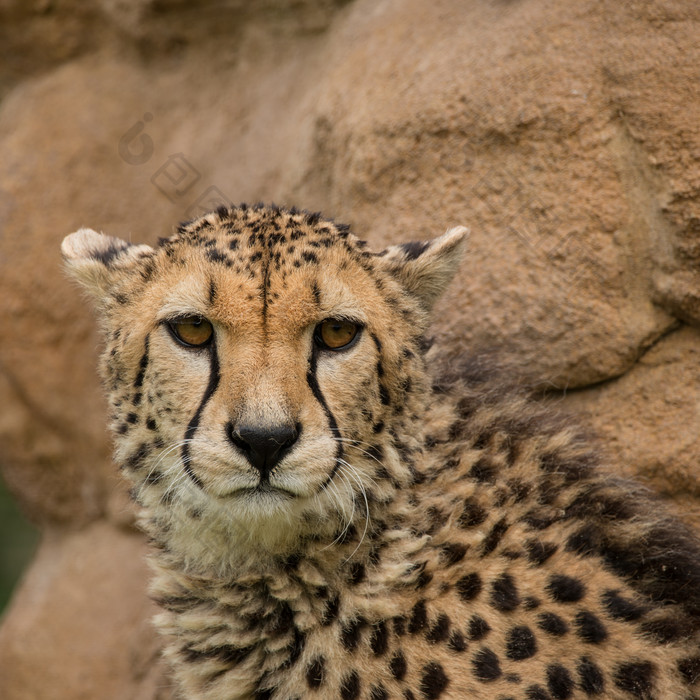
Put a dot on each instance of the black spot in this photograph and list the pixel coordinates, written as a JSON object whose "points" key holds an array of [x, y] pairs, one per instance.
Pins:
{"points": [[483, 471], [379, 639], [350, 686], [530, 602], [378, 692], [486, 665], [132, 418], [539, 520], [519, 489], [669, 629], [315, 672], [552, 624], [511, 554], [419, 617], [559, 682], [151, 424], [433, 681], [397, 666], [399, 626], [521, 643], [690, 669], [135, 460], [472, 515], [217, 256], [351, 634], [281, 620], [378, 427], [469, 586], [636, 678], [457, 642], [424, 578], [440, 630], [494, 537], [384, 395], [357, 573], [565, 589], [330, 612], [537, 692], [621, 608], [309, 257], [538, 552], [590, 676], [478, 628], [437, 519], [571, 469], [590, 628], [295, 648], [504, 594], [408, 695], [451, 553], [584, 542]]}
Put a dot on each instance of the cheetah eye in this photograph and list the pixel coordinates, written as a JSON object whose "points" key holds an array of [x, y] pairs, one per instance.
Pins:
{"points": [[192, 331], [336, 334]]}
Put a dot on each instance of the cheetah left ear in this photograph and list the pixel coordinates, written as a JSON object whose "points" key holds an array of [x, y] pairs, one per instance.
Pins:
{"points": [[97, 261], [426, 268]]}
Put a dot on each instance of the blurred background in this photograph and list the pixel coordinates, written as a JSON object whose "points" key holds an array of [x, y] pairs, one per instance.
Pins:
{"points": [[566, 136]]}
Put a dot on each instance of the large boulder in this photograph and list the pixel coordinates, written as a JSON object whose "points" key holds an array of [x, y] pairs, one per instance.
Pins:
{"points": [[566, 137]]}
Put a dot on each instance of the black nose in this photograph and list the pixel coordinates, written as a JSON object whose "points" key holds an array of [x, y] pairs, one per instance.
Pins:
{"points": [[263, 445]]}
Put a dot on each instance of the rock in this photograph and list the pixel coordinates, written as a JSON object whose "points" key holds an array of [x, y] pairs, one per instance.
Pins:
{"points": [[566, 137], [648, 420], [79, 626]]}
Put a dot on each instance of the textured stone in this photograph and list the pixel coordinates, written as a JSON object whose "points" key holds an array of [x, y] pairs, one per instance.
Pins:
{"points": [[79, 626], [566, 136]]}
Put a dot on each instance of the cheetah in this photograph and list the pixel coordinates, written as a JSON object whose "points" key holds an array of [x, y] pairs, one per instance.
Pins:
{"points": [[334, 513]]}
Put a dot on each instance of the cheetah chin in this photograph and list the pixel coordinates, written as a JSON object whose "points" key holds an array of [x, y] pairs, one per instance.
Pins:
{"points": [[335, 514]]}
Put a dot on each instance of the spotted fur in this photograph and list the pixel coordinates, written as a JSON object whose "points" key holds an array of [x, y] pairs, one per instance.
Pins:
{"points": [[424, 535]]}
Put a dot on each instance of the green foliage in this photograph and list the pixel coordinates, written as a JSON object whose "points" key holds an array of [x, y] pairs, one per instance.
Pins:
{"points": [[18, 541]]}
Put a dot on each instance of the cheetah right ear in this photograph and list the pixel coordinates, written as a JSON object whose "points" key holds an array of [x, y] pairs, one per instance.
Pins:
{"points": [[96, 260], [425, 268]]}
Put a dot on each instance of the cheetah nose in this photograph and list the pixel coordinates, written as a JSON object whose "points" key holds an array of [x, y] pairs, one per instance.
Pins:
{"points": [[263, 446]]}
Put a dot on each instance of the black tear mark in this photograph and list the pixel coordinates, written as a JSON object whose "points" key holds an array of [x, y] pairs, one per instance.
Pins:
{"points": [[312, 381], [194, 423]]}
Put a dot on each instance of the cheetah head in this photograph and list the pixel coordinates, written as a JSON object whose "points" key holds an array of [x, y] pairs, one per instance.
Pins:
{"points": [[264, 372]]}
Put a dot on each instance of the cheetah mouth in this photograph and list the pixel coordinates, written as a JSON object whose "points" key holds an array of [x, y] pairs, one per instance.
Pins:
{"points": [[262, 490]]}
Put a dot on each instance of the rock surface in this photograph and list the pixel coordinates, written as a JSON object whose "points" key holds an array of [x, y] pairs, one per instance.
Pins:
{"points": [[567, 137]]}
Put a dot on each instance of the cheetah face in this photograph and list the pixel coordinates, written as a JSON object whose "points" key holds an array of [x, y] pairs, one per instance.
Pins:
{"points": [[256, 363]]}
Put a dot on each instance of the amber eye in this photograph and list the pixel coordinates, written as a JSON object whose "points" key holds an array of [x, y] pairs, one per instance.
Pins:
{"points": [[335, 334], [193, 331]]}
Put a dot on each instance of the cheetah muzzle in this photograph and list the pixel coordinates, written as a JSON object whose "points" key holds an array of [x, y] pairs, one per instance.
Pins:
{"points": [[335, 515]]}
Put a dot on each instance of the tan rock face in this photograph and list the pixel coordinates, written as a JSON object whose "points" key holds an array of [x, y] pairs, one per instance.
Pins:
{"points": [[567, 138]]}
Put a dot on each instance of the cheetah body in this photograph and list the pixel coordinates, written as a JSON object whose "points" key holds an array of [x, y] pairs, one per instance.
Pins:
{"points": [[425, 536]]}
